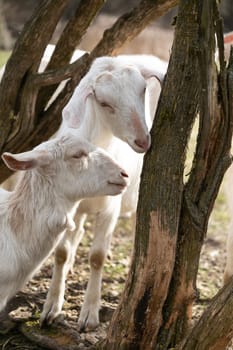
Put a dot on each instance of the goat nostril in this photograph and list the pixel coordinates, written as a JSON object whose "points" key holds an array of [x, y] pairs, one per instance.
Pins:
{"points": [[124, 174], [144, 144]]}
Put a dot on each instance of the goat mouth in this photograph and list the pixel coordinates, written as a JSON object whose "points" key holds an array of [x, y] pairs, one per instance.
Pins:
{"points": [[142, 146], [139, 149], [119, 185]]}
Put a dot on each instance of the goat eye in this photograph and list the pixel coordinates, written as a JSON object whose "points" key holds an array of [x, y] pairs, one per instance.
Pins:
{"points": [[80, 154], [104, 104], [108, 106]]}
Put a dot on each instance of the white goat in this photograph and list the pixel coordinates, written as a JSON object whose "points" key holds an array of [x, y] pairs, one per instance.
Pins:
{"points": [[108, 109], [58, 173]]}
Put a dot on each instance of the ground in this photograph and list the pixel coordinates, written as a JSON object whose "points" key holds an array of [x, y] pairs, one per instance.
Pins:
{"points": [[27, 334], [32, 297]]}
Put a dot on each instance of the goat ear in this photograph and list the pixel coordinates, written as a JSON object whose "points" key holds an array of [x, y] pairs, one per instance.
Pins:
{"points": [[104, 77], [102, 84], [26, 160], [150, 73], [149, 65], [74, 112]]}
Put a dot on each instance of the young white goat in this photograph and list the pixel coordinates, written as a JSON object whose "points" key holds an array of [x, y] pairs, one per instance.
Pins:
{"points": [[108, 109], [33, 217]]}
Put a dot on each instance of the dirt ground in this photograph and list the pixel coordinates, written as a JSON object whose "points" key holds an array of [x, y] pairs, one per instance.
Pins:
{"points": [[32, 297], [27, 333]]}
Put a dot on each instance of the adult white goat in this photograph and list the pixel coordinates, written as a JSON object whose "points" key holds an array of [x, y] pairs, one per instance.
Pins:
{"points": [[108, 109], [33, 217]]}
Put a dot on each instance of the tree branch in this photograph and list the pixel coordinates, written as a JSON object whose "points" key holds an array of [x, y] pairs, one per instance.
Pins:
{"points": [[67, 43], [209, 165], [220, 310], [131, 24], [34, 38], [219, 316], [55, 76]]}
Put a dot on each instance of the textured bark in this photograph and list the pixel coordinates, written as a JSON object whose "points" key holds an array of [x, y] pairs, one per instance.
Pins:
{"points": [[67, 43], [214, 330], [156, 305], [23, 122], [34, 39], [210, 163]]}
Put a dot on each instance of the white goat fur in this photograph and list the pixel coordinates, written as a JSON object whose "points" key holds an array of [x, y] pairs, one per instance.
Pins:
{"points": [[108, 109], [33, 217]]}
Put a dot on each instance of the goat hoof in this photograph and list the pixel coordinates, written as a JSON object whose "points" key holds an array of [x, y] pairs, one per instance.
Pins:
{"points": [[52, 320], [88, 322]]}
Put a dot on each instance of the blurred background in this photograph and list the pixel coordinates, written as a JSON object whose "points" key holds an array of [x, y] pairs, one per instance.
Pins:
{"points": [[155, 39]]}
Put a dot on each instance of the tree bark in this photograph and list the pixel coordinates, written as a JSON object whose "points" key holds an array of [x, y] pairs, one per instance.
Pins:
{"points": [[214, 330], [137, 320], [209, 165], [156, 305], [24, 124], [34, 39], [67, 43]]}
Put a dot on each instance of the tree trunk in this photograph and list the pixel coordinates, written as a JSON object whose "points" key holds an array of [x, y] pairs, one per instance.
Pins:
{"points": [[209, 165], [214, 330], [156, 305]]}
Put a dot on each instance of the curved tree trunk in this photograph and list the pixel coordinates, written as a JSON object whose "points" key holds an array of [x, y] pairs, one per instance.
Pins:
{"points": [[219, 316]]}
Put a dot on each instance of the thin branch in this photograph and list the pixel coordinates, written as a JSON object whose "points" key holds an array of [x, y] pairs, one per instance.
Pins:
{"points": [[68, 41], [131, 24], [55, 76], [34, 38], [74, 31]]}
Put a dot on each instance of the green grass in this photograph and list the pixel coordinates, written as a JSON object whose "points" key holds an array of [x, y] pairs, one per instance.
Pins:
{"points": [[4, 55]]}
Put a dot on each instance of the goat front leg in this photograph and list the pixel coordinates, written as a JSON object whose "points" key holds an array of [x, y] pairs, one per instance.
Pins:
{"points": [[105, 225], [64, 259]]}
